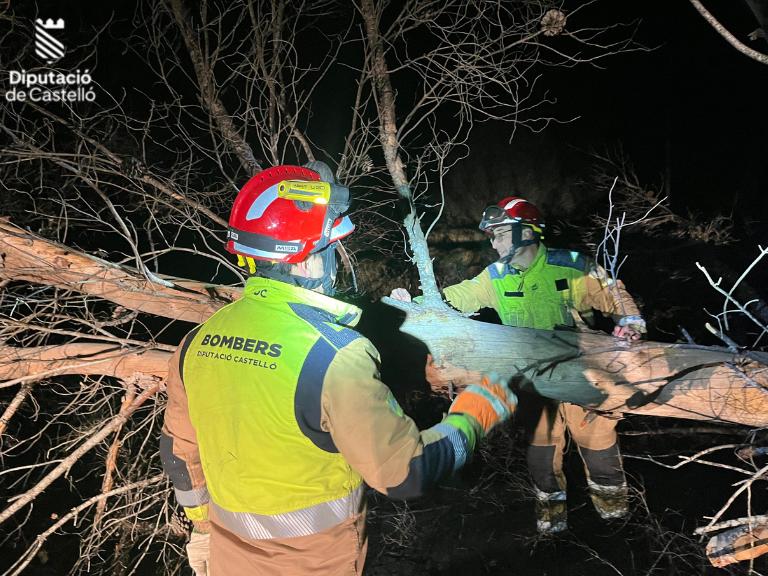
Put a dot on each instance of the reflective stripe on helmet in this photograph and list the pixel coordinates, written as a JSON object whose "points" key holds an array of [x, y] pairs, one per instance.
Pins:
{"points": [[261, 203], [260, 253], [512, 203], [262, 246]]}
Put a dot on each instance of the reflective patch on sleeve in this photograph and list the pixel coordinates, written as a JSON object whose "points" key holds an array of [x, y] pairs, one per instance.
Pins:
{"points": [[175, 467], [308, 396], [192, 498], [394, 406], [425, 470], [458, 442]]}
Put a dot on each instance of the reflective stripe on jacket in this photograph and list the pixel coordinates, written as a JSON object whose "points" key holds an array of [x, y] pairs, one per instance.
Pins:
{"points": [[543, 295]]}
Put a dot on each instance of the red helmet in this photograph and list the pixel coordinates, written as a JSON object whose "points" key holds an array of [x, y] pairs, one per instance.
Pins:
{"points": [[285, 213], [512, 210]]}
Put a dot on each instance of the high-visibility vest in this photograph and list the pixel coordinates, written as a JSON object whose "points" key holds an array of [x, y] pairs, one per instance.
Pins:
{"points": [[543, 295], [253, 375]]}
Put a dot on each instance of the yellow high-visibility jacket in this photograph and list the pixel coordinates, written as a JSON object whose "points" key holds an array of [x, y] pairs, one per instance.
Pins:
{"points": [[276, 415], [544, 295]]}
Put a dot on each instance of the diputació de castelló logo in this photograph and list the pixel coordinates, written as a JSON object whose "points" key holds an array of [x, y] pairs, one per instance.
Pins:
{"points": [[50, 85], [47, 46]]}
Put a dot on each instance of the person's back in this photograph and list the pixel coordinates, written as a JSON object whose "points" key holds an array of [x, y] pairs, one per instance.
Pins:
{"points": [[276, 413], [252, 407]]}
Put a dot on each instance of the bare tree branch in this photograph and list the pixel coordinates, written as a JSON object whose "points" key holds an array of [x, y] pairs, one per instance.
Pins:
{"points": [[207, 83], [730, 38], [23, 499]]}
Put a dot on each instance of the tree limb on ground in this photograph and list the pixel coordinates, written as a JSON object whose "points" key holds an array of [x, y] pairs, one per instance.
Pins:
{"points": [[589, 369], [24, 256]]}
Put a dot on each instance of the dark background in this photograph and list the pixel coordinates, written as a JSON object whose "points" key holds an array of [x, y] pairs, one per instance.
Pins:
{"points": [[690, 114]]}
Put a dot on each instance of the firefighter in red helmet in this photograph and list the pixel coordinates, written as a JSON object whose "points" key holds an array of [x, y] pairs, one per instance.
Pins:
{"points": [[533, 286], [276, 416]]}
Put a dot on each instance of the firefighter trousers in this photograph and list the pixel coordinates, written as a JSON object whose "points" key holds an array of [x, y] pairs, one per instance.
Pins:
{"points": [[595, 437]]}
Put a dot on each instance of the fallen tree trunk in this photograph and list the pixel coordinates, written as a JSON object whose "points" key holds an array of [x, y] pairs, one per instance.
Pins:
{"points": [[28, 257], [597, 371], [590, 369], [18, 365]]}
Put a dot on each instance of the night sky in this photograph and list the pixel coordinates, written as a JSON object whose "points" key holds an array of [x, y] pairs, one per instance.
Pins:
{"points": [[694, 94], [692, 109], [689, 112]]}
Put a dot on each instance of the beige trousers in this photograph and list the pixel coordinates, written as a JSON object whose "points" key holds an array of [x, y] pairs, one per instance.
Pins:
{"points": [[594, 435]]}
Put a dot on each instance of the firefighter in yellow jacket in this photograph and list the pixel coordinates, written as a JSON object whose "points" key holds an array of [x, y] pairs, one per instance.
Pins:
{"points": [[276, 415], [532, 286]]}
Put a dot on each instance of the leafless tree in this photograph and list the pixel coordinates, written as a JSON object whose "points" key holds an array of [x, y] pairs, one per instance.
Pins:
{"points": [[144, 177]]}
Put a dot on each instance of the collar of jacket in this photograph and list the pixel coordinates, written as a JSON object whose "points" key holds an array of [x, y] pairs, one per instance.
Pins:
{"points": [[342, 313], [538, 263]]}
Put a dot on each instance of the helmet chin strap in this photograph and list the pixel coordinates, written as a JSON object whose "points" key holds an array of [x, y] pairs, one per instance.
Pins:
{"points": [[518, 242], [281, 272]]}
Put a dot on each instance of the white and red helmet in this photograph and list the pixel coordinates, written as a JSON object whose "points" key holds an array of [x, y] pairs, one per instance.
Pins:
{"points": [[285, 213], [512, 210]]}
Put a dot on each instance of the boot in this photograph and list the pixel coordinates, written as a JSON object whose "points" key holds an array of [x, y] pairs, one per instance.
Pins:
{"points": [[551, 512], [609, 501]]}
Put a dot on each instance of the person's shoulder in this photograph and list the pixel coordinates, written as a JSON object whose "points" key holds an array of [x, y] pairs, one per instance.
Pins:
{"points": [[568, 259], [359, 345], [359, 355], [497, 270]]}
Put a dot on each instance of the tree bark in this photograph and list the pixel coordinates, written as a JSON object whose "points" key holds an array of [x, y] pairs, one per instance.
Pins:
{"points": [[385, 104], [28, 257], [21, 365], [590, 369], [730, 38], [597, 371]]}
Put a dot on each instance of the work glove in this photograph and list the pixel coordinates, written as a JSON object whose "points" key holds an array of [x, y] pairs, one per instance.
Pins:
{"points": [[630, 328], [489, 403], [400, 294], [198, 552]]}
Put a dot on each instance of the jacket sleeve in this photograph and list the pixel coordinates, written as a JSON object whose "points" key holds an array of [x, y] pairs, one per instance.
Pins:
{"points": [[377, 439], [599, 291], [471, 295], [178, 446]]}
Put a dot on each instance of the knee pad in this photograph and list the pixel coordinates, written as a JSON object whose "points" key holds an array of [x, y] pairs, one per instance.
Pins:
{"points": [[604, 466], [541, 465]]}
